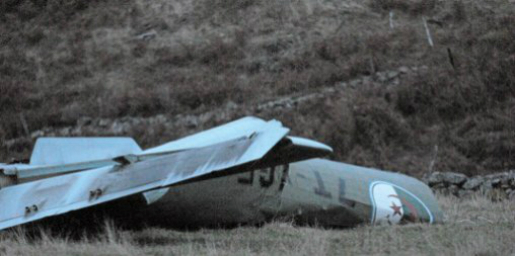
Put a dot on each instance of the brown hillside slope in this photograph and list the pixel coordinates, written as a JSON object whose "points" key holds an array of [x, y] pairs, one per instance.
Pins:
{"points": [[61, 61]]}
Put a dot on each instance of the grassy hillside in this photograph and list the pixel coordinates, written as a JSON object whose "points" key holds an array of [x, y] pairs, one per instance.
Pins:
{"points": [[475, 226], [414, 108]]}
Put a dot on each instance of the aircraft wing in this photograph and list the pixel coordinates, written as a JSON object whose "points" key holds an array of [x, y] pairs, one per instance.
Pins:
{"points": [[241, 127], [133, 174]]}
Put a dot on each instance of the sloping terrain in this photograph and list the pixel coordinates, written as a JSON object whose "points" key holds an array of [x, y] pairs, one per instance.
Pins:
{"points": [[383, 96]]}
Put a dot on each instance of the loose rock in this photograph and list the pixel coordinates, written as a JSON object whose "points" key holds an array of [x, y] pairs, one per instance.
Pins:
{"points": [[473, 183], [435, 178], [454, 178]]}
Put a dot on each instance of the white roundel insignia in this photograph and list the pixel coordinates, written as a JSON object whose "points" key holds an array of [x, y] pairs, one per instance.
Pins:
{"points": [[388, 206], [392, 204]]}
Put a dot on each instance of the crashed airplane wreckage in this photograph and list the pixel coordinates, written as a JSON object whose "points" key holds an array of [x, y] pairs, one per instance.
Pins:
{"points": [[246, 171]]}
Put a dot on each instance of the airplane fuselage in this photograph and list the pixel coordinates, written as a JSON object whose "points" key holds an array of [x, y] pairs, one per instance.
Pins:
{"points": [[317, 191]]}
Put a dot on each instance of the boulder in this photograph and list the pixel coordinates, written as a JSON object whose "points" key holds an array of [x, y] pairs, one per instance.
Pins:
{"points": [[453, 190], [473, 183], [511, 179], [439, 186], [454, 178], [392, 74], [355, 83], [511, 195], [404, 70], [496, 182], [435, 178], [486, 187]]}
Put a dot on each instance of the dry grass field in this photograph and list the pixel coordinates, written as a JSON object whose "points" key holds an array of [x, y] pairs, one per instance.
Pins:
{"points": [[63, 61], [475, 226]]}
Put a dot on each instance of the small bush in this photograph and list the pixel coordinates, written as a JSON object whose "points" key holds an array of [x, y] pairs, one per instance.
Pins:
{"points": [[377, 125]]}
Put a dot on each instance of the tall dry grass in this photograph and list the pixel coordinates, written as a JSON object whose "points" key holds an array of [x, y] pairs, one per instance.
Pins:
{"points": [[474, 226]]}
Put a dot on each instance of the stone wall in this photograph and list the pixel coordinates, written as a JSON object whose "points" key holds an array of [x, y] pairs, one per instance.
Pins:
{"points": [[499, 185], [195, 122]]}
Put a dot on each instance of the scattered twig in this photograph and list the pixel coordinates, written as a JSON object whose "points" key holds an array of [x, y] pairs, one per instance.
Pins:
{"points": [[485, 219], [433, 160], [428, 33], [24, 125], [372, 66], [436, 22], [147, 35], [391, 20], [465, 221], [451, 58]]}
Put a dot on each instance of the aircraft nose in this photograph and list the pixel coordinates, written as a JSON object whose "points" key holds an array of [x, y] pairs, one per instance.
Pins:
{"points": [[394, 204]]}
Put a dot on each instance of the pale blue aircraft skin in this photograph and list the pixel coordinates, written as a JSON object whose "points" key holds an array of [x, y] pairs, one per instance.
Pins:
{"points": [[242, 172]]}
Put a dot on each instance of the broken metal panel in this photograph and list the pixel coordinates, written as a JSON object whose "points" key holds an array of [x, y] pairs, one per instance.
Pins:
{"points": [[62, 151], [153, 196]]}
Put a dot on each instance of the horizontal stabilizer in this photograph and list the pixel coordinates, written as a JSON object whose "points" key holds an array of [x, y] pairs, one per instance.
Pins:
{"points": [[64, 151], [307, 144]]}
